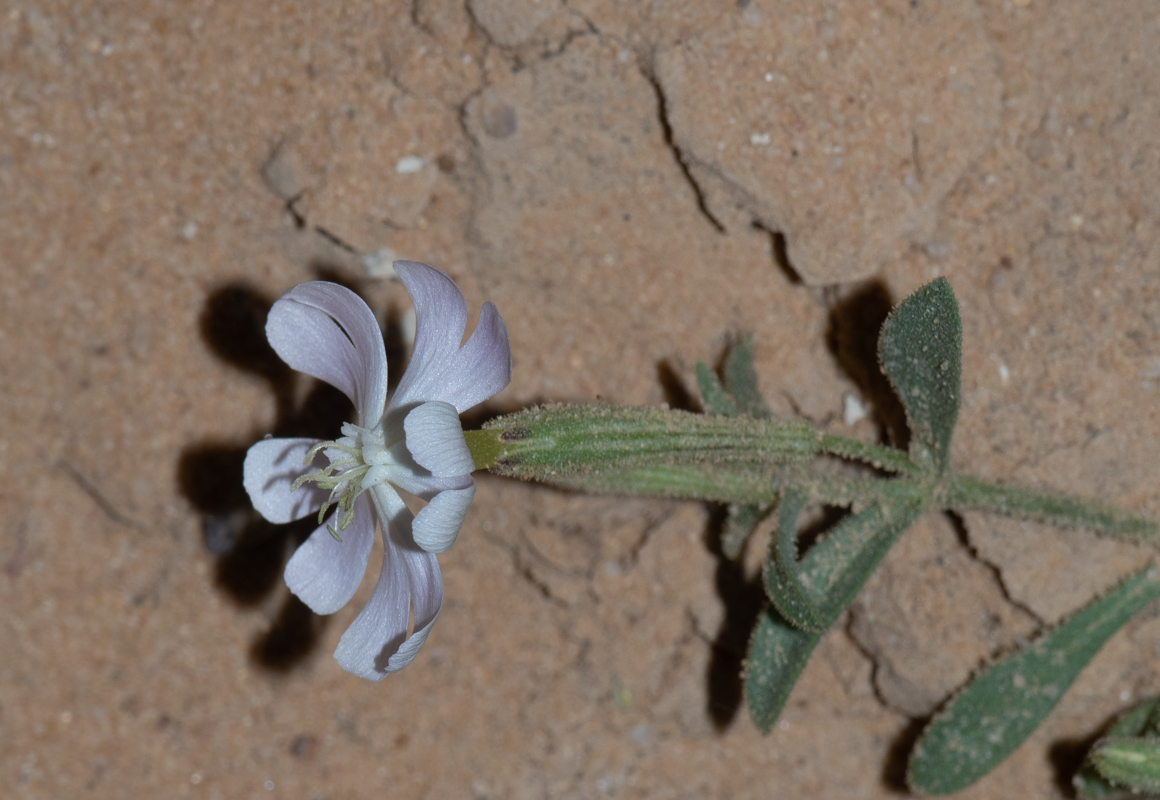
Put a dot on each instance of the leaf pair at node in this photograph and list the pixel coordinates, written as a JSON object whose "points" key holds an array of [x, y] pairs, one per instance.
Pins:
{"points": [[919, 349], [736, 454]]}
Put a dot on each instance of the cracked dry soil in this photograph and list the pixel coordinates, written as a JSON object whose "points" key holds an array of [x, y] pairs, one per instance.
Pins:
{"points": [[634, 185]]}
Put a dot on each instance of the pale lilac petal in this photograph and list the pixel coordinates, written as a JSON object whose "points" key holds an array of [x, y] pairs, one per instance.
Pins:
{"points": [[435, 439], [484, 365], [327, 331], [427, 486], [440, 319], [271, 466], [439, 369], [326, 573], [376, 644], [437, 525]]}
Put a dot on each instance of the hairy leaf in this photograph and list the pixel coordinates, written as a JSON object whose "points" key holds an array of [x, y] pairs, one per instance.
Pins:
{"points": [[1008, 699], [741, 380], [780, 573], [921, 353], [713, 396], [832, 572], [778, 652]]}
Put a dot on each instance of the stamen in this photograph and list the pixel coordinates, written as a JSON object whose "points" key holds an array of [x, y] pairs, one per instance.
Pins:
{"points": [[313, 451], [342, 476]]}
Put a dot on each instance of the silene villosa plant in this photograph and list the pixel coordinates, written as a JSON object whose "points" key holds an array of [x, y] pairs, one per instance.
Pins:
{"points": [[736, 453]]}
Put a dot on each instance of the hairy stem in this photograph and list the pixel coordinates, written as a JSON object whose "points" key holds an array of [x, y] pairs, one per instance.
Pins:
{"points": [[966, 493]]}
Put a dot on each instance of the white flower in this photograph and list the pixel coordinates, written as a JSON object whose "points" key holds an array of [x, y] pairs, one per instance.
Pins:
{"points": [[414, 442]]}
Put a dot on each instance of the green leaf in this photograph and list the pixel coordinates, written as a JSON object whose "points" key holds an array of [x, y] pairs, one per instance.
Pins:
{"points": [[1138, 721], [778, 652], [1129, 761], [832, 572], [1008, 699], [858, 543], [713, 396], [743, 519], [741, 380], [921, 353], [812, 596], [780, 573], [885, 458]]}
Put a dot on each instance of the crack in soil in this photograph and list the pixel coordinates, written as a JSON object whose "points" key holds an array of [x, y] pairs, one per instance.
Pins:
{"points": [[877, 663], [524, 570], [880, 662], [90, 488], [963, 535], [683, 160]]}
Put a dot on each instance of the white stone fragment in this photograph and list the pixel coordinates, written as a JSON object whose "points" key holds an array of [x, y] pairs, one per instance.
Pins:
{"points": [[381, 263], [408, 165], [853, 410]]}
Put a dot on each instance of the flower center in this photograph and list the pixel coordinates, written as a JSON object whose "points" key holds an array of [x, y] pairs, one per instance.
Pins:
{"points": [[357, 453]]}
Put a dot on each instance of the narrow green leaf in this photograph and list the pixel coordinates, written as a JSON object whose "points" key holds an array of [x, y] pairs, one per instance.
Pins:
{"points": [[713, 396], [1008, 699], [780, 573], [1088, 783], [1133, 762], [921, 353], [1137, 721], [741, 380], [887, 458], [832, 572], [778, 652], [858, 543], [743, 519]]}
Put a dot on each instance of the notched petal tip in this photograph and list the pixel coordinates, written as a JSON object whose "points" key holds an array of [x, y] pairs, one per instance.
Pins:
{"points": [[485, 362], [328, 332], [440, 369]]}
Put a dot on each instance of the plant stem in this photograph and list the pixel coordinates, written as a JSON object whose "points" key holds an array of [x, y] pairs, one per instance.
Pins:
{"points": [[967, 493]]}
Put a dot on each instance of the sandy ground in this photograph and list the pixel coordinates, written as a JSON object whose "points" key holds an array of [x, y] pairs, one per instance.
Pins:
{"points": [[634, 185]]}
